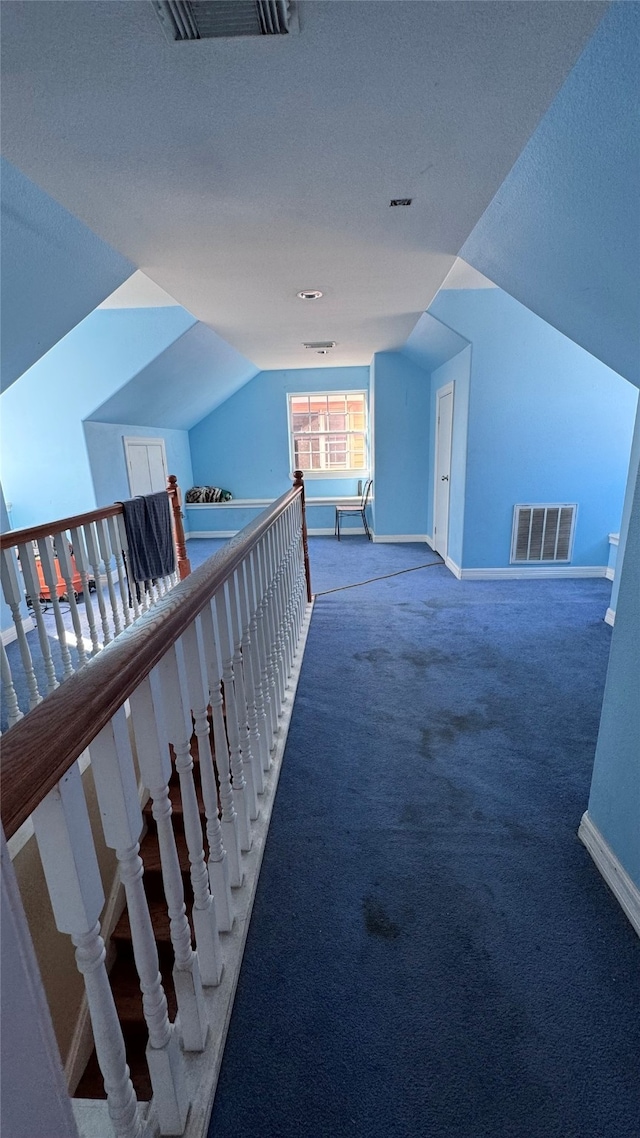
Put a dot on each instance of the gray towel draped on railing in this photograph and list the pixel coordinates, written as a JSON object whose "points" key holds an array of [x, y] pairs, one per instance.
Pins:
{"points": [[147, 521]]}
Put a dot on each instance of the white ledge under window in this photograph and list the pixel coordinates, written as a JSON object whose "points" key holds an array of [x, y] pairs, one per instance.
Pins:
{"points": [[261, 503]]}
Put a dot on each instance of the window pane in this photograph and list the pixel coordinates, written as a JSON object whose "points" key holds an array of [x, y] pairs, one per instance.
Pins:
{"points": [[299, 403], [328, 431]]}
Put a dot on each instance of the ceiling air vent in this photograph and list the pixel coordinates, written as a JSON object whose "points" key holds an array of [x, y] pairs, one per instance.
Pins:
{"points": [[217, 19], [318, 344], [543, 533]]}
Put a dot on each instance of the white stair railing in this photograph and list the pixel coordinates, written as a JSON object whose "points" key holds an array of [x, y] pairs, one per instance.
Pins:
{"points": [[69, 578], [234, 626]]}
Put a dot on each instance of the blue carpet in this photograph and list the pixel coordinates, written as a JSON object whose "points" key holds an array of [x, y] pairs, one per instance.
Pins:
{"points": [[432, 951]]}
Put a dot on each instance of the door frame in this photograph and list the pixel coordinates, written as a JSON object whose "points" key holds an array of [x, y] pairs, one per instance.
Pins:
{"points": [[441, 392], [138, 440]]}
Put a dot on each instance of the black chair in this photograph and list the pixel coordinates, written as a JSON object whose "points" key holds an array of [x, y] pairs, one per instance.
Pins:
{"points": [[359, 511]]}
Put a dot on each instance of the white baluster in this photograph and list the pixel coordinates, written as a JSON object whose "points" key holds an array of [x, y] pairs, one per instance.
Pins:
{"points": [[13, 707], [63, 834], [117, 547], [256, 662], [93, 553], [278, 565], [289, 590], [117, 791], [106, 554], [225, 866], [14, 596], [222, 625], [179, 727], [242, 682], [270, 632], [47, 561], [263, 640], [249, 669], [67, 574], [197, 680], [152, 749], [291, 593], [82, 562]]}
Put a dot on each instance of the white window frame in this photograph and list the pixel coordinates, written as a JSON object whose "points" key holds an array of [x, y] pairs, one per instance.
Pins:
{"points": [[360, 472]]}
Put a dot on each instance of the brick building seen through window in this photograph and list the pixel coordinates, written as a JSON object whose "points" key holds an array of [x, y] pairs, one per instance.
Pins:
{"points": [[328, 432]]}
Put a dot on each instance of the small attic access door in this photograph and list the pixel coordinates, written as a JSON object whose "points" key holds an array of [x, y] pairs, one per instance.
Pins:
{"points": [[146, 465]]}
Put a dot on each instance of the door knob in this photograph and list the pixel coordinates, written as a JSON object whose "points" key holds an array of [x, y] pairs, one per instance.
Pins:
{"points": [[445, 478]]}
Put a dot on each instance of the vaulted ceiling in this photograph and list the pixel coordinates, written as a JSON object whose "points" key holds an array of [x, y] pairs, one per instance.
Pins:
{"points": [[237, 172]]}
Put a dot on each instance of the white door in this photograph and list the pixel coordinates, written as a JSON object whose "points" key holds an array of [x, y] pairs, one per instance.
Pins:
{"points": [[444, 428], [146, 465]]}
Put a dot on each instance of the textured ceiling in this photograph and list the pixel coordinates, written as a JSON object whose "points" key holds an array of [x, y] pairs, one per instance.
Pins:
{"points": [[235, 173]]}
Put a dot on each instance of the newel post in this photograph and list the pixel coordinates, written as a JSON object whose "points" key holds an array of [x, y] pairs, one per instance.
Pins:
{"points": [[175, 498], [298, 483]]}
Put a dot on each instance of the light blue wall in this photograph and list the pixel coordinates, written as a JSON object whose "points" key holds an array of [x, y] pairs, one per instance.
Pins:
{"points": [[401, 459], [547, 423], [45, 466], [634, 467], [105, 450], [456, 371], [614, 804], [243, 446], [563, 233], [54, 272]]}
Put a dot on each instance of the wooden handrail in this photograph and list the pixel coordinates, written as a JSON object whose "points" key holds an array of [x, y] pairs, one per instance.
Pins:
{"points": [[32, 533], [40, 749]]}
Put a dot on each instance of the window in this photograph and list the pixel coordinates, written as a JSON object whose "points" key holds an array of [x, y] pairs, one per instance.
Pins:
{"points": [[328, 433]]}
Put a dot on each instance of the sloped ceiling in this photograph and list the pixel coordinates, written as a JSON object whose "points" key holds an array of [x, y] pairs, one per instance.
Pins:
{"points": [[562, 234], [182, 385], [54, 273], [236, 173], [432, 343]]}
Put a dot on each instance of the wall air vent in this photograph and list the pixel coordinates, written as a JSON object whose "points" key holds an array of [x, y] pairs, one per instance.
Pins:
{"points": [[319, 344], [218, 19], [543, 533]]}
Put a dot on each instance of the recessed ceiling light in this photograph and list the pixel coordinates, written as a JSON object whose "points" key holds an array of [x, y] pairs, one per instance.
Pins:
{"points": [[309, 294], [401, 201]]}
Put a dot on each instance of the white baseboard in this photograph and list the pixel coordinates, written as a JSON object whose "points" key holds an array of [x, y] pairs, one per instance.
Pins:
{"points": [[329, 531], [610, 617], [453, 568], [623, 888], [519, 572], [211, 533], [610, 573], [11, 634], [429, 540], [393, 538]]}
